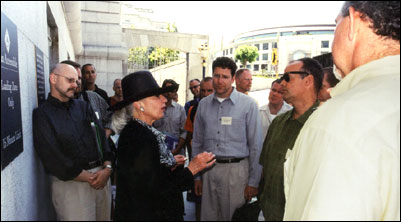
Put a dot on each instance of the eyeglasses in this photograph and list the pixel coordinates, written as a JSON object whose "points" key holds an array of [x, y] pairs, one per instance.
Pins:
{"points": [[286, 75], [193, 87], [70, 80]]}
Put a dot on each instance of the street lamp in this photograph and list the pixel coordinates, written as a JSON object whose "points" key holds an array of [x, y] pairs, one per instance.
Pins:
{"points": [[204, 49]]}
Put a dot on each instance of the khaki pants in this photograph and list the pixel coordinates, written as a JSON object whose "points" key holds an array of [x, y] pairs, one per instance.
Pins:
{"points": [[78, 201], [223, 190]]}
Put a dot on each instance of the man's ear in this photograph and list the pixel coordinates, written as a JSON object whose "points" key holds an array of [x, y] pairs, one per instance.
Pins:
{"points": [[309, 81], [52, 78], [355, 22]]}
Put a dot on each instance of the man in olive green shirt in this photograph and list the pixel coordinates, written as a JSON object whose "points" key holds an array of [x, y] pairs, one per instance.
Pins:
{"points": [[301, 83]]}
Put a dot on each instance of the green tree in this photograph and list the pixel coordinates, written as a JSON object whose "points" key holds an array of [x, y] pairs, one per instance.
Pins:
{"points": [[154, 56], [246, 53], [161, 56], [138, 55]]}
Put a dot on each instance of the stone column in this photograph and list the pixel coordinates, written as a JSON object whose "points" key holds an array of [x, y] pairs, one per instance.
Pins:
{"points": [[103, 41]]}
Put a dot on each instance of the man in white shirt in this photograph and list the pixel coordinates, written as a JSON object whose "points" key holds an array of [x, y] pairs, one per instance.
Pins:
{"points": [[243, 80], [275, 107], [345, 164]]}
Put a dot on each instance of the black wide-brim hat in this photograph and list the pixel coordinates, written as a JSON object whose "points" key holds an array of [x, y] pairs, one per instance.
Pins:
{"points": [[137, 86]]}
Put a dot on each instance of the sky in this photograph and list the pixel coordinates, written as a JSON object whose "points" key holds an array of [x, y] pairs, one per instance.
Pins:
{"points": [[225, 19]]}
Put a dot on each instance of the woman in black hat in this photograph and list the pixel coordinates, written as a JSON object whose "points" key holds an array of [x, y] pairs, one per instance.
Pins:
{"points": [[148, 182]]}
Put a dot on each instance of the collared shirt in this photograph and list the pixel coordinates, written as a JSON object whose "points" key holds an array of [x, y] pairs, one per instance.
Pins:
{"points": [[345, 164], [267, 117], [64, 139], [173, 121], [100, 106], [101, 92], [281, 136], [230, 129]]}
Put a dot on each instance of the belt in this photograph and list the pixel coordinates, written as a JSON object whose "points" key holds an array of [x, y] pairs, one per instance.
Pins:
{"points": [[93, 164], [229, 160]]}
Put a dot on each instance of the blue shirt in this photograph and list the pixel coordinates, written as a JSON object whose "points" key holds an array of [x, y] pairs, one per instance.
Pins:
{"points": [[230, 129], [173, 121]]}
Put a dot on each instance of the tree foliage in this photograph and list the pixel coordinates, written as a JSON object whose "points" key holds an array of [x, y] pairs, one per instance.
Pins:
{"points": [[246, 53], [161, 56], [154, 56]]}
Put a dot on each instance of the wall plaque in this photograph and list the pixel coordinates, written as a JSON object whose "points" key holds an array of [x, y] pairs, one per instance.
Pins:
{"points": [[11, 124]]}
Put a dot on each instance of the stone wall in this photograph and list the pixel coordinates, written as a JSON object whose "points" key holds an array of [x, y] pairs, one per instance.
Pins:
{"points": [[176, 71], [103, 42], [25, 187]]}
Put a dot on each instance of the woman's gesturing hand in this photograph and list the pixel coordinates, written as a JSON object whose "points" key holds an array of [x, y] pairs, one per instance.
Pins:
{"points": [[201, 161]]}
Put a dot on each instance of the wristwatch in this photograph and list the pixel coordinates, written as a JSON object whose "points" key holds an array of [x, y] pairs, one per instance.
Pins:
{"points": [[109, 166]]}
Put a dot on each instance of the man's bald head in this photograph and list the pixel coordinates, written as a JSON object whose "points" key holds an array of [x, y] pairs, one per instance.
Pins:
{"points": [[61, 67], [63, 81]]}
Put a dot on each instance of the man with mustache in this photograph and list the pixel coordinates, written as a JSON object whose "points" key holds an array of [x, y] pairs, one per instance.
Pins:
{"points": [[72, 145]]}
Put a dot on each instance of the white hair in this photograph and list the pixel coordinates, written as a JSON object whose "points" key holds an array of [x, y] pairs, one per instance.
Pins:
{"points": [[121, 117]]}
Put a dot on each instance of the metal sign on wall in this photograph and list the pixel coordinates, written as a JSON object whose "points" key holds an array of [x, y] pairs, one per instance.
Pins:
{"points": [[40, 75], [11, 124]]}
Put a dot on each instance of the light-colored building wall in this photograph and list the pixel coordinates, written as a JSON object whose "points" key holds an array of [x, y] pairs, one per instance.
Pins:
{"points": [[25, 187], [176, 71], [103, 42], [292, 43]]}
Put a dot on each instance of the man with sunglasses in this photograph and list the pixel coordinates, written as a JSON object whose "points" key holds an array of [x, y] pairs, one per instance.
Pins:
{"points": [[300, 83], [77, 156], [345, 164], [194, 86]]}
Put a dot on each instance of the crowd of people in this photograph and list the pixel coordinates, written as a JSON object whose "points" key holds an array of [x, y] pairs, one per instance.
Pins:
{"points": [[325, 147]]}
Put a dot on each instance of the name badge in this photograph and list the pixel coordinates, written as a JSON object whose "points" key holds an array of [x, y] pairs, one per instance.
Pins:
{"points": [[226, 121], [97, 115]]}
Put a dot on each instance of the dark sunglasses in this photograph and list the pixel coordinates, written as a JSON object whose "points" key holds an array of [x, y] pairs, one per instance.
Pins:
{"points": [[286, 75]]}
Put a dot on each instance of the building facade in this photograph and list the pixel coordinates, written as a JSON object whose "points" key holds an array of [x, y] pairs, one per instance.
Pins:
{"points": [[291, 43]]}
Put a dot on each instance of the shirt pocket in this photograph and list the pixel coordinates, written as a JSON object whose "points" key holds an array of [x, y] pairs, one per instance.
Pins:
{"points": [[236, 132]]}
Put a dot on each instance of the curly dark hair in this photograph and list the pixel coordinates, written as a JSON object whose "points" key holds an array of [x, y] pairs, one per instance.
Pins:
{"points": [[384, 16], [225, 63]]}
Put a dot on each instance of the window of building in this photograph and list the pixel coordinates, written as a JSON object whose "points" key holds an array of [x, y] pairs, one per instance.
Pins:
{"points": [[265, 46], [257, 58], [325, 44], [224, 52], [255, 67], [265, 56], [264, 66], [286, 33], [274, 45], [257, 46], [231, 51], [248, 66]]}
